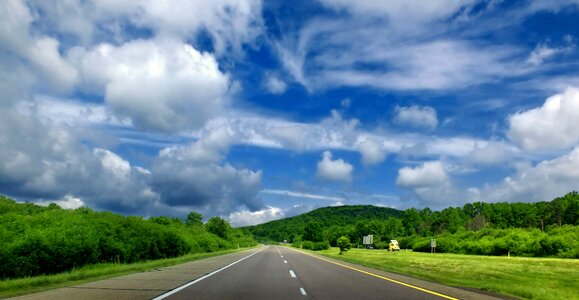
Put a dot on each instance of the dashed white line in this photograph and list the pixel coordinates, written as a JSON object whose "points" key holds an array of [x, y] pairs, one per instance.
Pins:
{"points": [[285, 261], [292, 274], [303, 291], [281, 256]]}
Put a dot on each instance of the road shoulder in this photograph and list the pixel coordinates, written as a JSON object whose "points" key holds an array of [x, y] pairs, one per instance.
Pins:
{"points": [[143, 285], [432, 286]]}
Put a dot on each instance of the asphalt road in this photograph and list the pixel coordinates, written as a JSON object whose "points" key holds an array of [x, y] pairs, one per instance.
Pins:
{"points": [[283, 273], [272, 272]]}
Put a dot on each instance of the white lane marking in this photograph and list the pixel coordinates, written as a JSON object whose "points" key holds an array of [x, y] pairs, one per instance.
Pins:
{"points": [[303, 291], [281, 256], [285, 261], [292, 274], [186, 285]]}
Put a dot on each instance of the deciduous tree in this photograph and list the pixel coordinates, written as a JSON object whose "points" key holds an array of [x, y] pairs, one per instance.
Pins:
{"points": [[344, 244], [194, 219]]}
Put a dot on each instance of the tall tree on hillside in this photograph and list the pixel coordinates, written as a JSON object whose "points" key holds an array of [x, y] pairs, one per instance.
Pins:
{"points": [[313, 232], [477, 223], [411, 221], [451, 220], [523, 215], [194, 219], [333, 233], [393, 228], [572, 215], [360, 230], [218, 226], [427, 219], [566, 209], [375, 227], [500, 215], [544, 214]]}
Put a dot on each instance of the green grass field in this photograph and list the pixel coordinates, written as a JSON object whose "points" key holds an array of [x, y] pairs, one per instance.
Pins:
{"points": [[15, 287], [527, 278]]}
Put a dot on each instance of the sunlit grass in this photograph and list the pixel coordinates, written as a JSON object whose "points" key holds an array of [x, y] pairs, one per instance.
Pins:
{"points": [[527, 278], [15, 287]]}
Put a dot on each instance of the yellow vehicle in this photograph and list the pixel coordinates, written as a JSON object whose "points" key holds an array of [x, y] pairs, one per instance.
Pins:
{"points": [[393, 246]]}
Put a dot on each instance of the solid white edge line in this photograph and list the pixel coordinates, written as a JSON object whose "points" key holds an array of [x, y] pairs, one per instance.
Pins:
{"points": [[292, 274], [303, 291], [186, 285]]}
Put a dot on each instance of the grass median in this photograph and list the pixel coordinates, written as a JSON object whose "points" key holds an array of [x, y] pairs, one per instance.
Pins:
{"points": [[23, 286], [527, 278]]}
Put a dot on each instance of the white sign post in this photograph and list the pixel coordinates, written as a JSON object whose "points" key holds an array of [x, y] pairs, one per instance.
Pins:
{"points": [[368, 240], [432, 245]]}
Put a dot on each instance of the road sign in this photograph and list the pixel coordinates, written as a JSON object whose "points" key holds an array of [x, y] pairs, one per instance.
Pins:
{"points": [[368, 239], [432, 245]]}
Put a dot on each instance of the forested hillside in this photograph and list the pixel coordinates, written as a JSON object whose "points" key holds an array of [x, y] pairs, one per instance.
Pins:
{"points": [[531, 229], [331, 219], [43, 240]]}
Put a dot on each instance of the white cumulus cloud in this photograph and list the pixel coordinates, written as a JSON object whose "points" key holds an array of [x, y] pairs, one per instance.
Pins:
{"points": [[162, 85], [274, 84], [68, 202], [491, 153], [245, 217], [543, 182], [210, 148], [37, 53], [334, 170], [230, 23], [428, 174], [552, 126], [416, 116], [372, 152]]}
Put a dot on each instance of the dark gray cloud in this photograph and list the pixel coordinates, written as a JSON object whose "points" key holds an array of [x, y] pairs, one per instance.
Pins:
{"points": [[41, 160], [193, 176]]}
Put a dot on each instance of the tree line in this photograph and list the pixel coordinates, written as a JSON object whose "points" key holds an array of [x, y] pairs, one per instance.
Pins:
{"points": [[38, 240], [531, 229]]}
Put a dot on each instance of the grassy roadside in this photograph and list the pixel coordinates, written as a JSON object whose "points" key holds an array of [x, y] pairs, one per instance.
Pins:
{"points": [[22, 286], [527, 278]]}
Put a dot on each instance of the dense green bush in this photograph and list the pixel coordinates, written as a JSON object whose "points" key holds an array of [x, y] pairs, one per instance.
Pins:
{"points": [[44, 240], [557, 241], [316, 246]]}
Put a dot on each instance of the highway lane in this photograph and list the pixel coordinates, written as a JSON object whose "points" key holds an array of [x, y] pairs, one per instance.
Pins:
{"points": [[262, 276], [324, 280], [283, 273]]}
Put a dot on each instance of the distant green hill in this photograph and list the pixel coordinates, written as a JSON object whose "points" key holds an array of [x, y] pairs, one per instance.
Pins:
{"points": [[327, 217], [546, 228]]}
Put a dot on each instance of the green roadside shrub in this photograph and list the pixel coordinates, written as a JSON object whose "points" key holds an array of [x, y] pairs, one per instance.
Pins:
{"points": [[39, 240], [316, 246]]}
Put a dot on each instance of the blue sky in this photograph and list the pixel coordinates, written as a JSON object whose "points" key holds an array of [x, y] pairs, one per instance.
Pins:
{"points": [[256, 110]]}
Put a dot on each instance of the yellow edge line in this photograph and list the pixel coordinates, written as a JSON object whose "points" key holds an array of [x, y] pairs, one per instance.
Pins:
{"points": [[382, 277]]}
